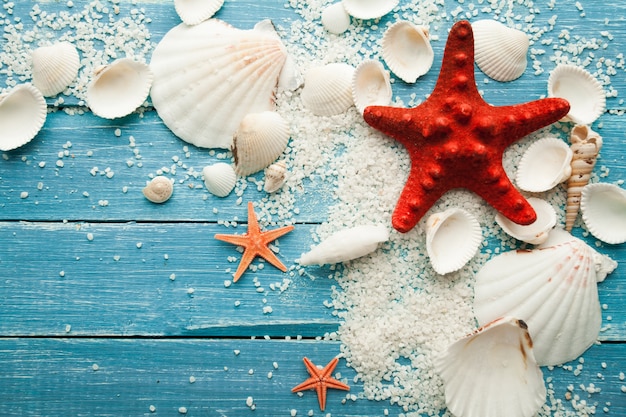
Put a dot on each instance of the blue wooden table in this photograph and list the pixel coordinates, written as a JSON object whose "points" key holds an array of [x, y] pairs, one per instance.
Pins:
{"points": [[113, 306]]}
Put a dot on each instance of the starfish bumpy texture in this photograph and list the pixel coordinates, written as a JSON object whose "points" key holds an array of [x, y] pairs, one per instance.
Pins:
{"points": [[320, 380], [456, 140]]}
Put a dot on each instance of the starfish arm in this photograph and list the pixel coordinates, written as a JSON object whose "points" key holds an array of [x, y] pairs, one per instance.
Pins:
{"points": [[272, 235], [414, 202], [269, 256], [253, 223], [321, 396], [333, 383], [239, 240], [310, 383], [246, 259]]}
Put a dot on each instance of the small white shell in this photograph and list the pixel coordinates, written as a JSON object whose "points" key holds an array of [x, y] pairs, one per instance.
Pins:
{"points": [[117, 89], [500, 51], [55, 67], [584, 93], [369, 9], [159, 189], [545, 164], [447, 252], [193, 12], [335, 18], [327, 89], [371, 85], [219, 178], [275, 176], [603, 207], [22, 115], [536, 232], [407, 51], [345, 245]]}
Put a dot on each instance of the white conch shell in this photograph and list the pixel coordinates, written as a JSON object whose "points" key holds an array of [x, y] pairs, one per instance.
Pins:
{"points": [[545, 164], [275, 176], [553, 288], [584, 93], [371, 85], [260, 139], [369, 9], [447, 252], [603, 207], [500, 51], [55, 67], [207, 77], [219, 178], [492, 372], [346, 244], [118, 88], [327, 89], [536, 232], [22, 115], [159, 189], [335, 18], [193, 12], [407, 51], [586, 145]]}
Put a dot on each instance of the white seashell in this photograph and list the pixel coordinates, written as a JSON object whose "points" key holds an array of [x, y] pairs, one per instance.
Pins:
{"points": [[22, 115], [327, 89], [193, 12], [54, 67], [447, 252], [159, 189], [545, 164], [260, 139], [207, 77], [118, 88], [500, 51], [335, 18], [346, 245], [275, 176], [219, 178], [603, 207], [371, 85], [584, 93], [553, 288], [407, 51], [492, 372], [536, 232], [369, 9]]}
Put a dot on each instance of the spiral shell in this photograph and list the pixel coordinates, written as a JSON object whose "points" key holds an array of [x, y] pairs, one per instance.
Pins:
{"points": [[159, 189], [275, 176]]}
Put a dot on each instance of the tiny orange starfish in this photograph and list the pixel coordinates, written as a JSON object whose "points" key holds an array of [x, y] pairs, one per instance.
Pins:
{"points": [[320, 380], [255, 243]]}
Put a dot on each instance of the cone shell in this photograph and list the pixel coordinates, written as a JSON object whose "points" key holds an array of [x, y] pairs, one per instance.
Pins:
{"points": [[193, 12], [536, 232], [335, 18], [219, 178], [159, 189], [275, 176], [54, 67], [371, 85], [22, 115], [603, 208], [500, 51], [545, 164], [407, 51], [327, 89], [584, 93], [369, 9]]}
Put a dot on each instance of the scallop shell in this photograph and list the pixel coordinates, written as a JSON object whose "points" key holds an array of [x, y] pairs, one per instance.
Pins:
{"points": [[118, 88], [275, 176], [54, 67], [603, 207], [345, 245], [447, 252], [22, 115], [545, 164], [335, 18], [207, 77], [260, 139], [500, 51], [407, 51], [219, 178], [584, 93], [492, 372], [193, 12], [369, 9], [371, 85], [327, 89], [536, 232], [159, 189], [553, 288]]}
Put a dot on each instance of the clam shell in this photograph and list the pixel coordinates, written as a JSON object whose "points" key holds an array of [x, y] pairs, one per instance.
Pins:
{"points": [[335, 18], [492, 372], [193, 12], [545, 164], [603, 207], [536, 232], [275, 176], [584, 93], [407, 51], [369, 9], [500, 51], [219, 178], [54, 67], [447, 252], [22, 115], [371, 85], [118, 88], [159, 189], [207, 77], [327, 89]]}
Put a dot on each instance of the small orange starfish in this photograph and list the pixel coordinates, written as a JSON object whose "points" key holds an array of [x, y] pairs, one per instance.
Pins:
{"points": [[320, 380], [255, 243]]}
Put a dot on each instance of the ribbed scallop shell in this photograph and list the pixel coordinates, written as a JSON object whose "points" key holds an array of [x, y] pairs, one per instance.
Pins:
{"points": [[603, 207], [54, 67], [369, 9], [335, 18], [159, 189], [22, 115], [584, 93], [536, 232], [219, 178], [371, 85], [193, 12], [500, 51], [545, 164], [407, 51], [327, 89], [207, 77], [275, 176]]}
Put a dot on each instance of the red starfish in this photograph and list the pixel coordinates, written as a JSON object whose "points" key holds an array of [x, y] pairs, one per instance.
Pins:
{"points": [[456, 140], [320, 380], [255, 243]]}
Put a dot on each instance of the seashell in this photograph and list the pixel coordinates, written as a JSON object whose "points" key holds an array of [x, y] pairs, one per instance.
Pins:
{"points": [[118, 88], [209, 76], [583, 92], [407, 51], [23, 112], [603, 207], [545, 164], [275, 176], [54, 67], [219, 178], [259, 141], [371, 85], [553, 288], [447, 252], [586, 145], [327, 89], [500, 51], [492, 372], [159, 189], [345, 245], [536, 232], [193, 12], [335, 18], [369, 9]]}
